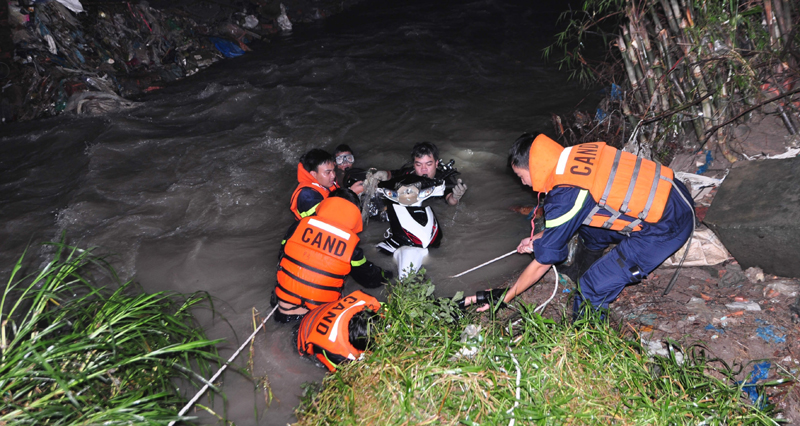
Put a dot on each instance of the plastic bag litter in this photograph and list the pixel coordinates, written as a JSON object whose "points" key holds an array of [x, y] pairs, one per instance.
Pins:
{"points": [[698, 185], [283, 20], [227, 48], [73, 5], [706, 249], [97, 103]]}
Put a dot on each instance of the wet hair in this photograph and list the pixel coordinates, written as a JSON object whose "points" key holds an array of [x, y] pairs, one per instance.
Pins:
{"points": [[422, 149], [362, 326], [347, 194], [519, 153], [342, 148], [314, 158]]}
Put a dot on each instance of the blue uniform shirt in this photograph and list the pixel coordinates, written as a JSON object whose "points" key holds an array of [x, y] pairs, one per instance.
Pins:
{"points": [[565, 209]]}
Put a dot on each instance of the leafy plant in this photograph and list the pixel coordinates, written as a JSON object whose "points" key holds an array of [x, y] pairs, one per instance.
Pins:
{"points": [[75, 353], [533, 369]]}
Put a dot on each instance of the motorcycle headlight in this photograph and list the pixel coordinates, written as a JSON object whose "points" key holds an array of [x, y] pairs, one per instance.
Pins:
{"points": [[426, 192], [388, 193]]}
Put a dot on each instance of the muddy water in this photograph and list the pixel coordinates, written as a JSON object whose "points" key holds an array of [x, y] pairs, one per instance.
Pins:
{"points": [[190, 189]]}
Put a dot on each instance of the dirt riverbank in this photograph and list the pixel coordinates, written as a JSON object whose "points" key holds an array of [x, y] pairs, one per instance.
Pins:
{"points": [[746, 319]]}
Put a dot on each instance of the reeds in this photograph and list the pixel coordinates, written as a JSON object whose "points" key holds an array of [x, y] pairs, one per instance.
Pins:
{"points": [[686, 66], [75, 353], [533, 371]]}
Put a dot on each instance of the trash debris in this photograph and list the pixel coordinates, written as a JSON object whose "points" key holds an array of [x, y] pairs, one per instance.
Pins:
{"points": [[471, 339], [698, 185], [733, 276], [782, 287], [647, 318], [754, 274], [283, 20], [66, 47], [747, 306], [760, 372], [703, 167], [695, 303], [790, 153], [706, 249], [715, 329], [655, 347], [767, 332]]}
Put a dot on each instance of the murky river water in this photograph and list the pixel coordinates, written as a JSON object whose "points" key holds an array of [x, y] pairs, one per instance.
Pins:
{"points": [[190, 190]]}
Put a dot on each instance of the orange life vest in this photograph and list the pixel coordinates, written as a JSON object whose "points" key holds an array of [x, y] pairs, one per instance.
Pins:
{"points": [[325, 332], [316, 258], [620, 182], [306, 180]]}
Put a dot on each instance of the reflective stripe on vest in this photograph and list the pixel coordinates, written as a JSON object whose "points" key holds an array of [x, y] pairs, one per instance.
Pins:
{"points": [[293, 203], [315, 262], [625, 185], [308, 212]]}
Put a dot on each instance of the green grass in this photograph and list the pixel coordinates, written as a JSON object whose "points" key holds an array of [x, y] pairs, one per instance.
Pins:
{"points": [[74, 353], [543, 372]]}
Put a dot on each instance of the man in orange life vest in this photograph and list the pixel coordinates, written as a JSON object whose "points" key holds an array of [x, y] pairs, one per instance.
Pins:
{"points": [[608, 197], [318, 253], [338, 331], [316, 177]]}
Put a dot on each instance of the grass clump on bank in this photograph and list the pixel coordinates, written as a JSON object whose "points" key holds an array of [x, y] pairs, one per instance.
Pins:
{"points": [[422, 371], [75, 353]]}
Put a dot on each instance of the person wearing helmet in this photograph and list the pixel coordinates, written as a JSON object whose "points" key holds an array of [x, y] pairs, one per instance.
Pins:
{"points": [[339, 331], [319, 252], [608, 197], [316, 178]]}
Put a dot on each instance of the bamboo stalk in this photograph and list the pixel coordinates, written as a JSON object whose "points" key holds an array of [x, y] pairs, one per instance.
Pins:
{"points": [[769, 17], [782, 25], [641, 94], [652, 74], [673, 23], [633, 79]]}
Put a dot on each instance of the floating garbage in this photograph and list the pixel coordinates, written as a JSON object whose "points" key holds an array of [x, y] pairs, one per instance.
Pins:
{"points": [[64, 48]]}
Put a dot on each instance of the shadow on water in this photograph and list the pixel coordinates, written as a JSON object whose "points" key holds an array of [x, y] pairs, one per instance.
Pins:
{"points": [[190, 189]]}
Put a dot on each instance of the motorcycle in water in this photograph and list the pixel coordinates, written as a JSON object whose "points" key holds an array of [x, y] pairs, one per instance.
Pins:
{"points": [[412, 227]]}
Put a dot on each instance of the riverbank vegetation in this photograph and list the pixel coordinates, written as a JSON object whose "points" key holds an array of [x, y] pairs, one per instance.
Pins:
{"points": [[77, 353], [678, 68], [428, 366]]}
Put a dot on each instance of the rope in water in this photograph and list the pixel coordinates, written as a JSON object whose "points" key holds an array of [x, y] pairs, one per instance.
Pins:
{"points": [[211, 380]]}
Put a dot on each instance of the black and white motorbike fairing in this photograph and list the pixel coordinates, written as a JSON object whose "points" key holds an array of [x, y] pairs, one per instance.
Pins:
{"points": [[413, 228]]}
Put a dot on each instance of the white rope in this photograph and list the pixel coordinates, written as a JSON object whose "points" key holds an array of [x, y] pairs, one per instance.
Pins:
{"points": [[541, 307], [485, 263], [519, 377], [211, 380]]}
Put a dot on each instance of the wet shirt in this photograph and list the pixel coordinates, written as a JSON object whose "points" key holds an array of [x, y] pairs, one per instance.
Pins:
{"points": [[308, 198]]}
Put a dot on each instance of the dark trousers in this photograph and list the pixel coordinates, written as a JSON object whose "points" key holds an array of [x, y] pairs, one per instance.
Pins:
{"points": [[635, 255]]}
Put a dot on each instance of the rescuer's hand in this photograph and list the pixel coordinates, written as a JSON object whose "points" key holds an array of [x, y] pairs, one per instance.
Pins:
{"points": [[381, 175], [459, 190], [485, 299], [525, 246]]}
